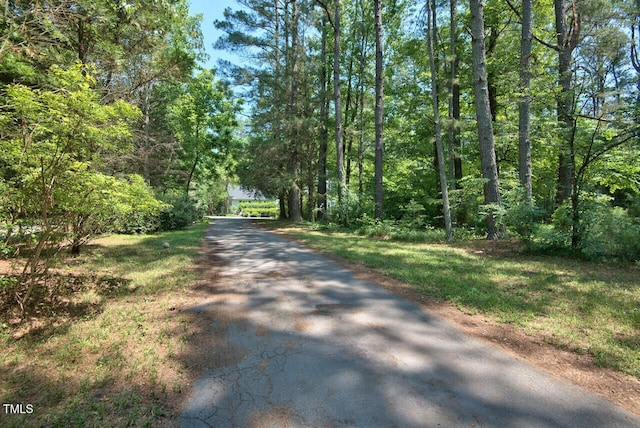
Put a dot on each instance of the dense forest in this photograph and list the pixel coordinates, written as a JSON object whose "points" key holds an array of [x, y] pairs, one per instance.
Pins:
{"points": [[507, 118]]}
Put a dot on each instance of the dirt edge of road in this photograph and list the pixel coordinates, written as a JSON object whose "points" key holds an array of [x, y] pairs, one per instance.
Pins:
{"points": [[617, 387]]}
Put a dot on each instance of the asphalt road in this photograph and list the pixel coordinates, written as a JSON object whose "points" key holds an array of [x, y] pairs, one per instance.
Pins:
{"points": [[320, 348]]}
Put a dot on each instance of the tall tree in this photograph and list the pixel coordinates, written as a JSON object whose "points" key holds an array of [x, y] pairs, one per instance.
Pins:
{"points": [[484, 118], [455, 171], [263, 31], [431, 13], [202, 118], [295, 209], [568, 27], [379, 195], [324, 119], [337, 100], [524, 126]]}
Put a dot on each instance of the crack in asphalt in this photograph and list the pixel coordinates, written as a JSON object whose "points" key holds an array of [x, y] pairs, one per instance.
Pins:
{"points": [[324, 349]]}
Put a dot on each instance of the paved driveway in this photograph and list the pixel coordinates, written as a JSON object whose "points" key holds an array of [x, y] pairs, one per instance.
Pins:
{"points": [[320, 348]]}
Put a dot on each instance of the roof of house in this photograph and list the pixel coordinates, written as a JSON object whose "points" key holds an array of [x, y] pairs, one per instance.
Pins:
{"points": [[237, 192]]}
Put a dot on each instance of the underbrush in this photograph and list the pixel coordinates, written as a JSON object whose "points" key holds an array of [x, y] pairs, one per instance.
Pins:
{"points": [[102, 344]]}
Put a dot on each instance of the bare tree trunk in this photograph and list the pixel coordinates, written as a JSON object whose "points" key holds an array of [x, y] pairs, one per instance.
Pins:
{"points": [[567, 42], [282, 202], [361, 129], [454, 96], [295, 208], [524, 126], [483, 114], [324, 119], [146, 140], [436, 119], [379, 196], [568, 33], [338, 107]]}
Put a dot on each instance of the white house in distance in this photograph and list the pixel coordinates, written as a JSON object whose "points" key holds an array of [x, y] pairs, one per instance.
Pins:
{"points": [[237, 195]]}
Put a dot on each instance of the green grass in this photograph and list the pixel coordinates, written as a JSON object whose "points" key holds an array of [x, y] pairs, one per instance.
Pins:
{"points": [[575, 305], [108, 351]]}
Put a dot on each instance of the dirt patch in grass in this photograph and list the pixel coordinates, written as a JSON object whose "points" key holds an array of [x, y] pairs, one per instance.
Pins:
{"points": [[538, 350]]}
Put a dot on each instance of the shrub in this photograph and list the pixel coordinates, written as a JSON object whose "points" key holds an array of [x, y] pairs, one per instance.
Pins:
{"points": [[353, 208], [180, 213], [611, 233], [259, 209], [413, 215], [606, 232], [522, 218], [466, 202]]}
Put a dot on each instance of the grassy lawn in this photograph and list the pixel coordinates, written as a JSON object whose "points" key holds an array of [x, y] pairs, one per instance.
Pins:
{"points": [[580, 306], [107, 351]]}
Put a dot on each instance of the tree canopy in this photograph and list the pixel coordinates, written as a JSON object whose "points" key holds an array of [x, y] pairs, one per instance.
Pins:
{"points": [[561, 116], [106, 124]]}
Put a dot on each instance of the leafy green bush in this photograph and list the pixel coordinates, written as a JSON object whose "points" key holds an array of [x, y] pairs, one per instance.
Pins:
{"points": [[181, 212], [352, 209], [466, 202], [397, 230], [259, 209], [135, 210], [611, 234], [606, 232], [413, 215], [522, 218]]}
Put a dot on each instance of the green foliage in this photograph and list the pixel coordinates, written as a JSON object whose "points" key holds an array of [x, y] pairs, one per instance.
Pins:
{"points": [[53, 144], [522, 217], [179, 213], [611, 233], [52, 148], [353, 207], [607, 233], [135, 209], [400, 230], [466, 202], [259, 209], [413, 215], [202, 117]]}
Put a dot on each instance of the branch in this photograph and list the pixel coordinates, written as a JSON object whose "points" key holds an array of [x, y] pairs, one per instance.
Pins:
{"points": [[326, 9], [634, 52], [536, 38], [575, 33]]}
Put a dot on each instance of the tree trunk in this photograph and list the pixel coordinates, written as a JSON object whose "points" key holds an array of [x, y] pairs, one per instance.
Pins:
{"points": [[379, 113], [191, 173], [282, 202], [338, 107], [295, 208], [349, 118], [483, 114], [454, 96], [524, 127], [324, 119], [567, 41], [436, 119]]}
